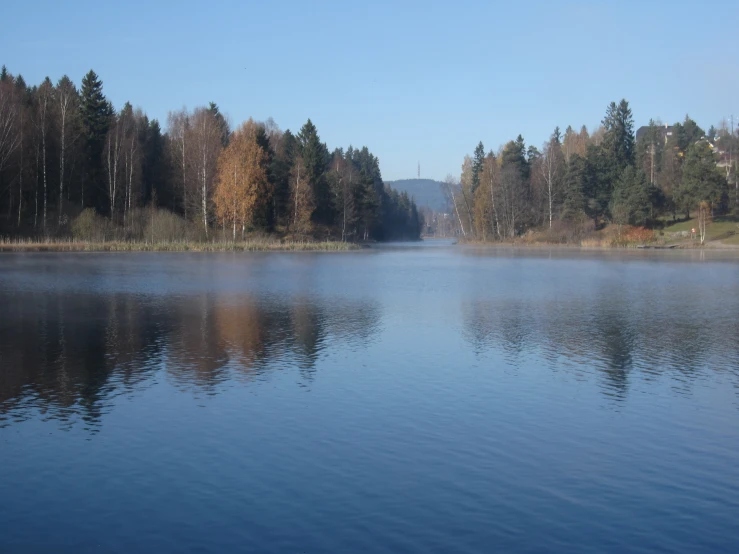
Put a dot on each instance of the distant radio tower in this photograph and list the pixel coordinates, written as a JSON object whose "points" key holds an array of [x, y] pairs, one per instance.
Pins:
{"points": [[419, 170]]}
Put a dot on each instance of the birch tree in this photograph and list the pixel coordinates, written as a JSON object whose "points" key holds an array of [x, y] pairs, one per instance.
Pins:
{"points": [[241, 186], [44, 99], [451, 190], [114, 151], [551, 167], [10, 114], [206, 139], [130, 121], [67, 101], [178, 126], [490, 182]]}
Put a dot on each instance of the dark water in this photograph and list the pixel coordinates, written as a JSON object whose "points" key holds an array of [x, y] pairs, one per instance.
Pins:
{"points": [[409, 399]]}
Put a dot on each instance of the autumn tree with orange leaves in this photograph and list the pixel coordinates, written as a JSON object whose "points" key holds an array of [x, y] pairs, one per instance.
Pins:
{"points": [[242, 187]]}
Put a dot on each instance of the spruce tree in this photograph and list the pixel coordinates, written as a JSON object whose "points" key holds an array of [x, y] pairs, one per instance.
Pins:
{"points": [[316, 158], [630, 200], [702, 180], [650, 150], [477, 162], [687, 133], [222, 123], [619, 138], [574, 206], [96, 114]]}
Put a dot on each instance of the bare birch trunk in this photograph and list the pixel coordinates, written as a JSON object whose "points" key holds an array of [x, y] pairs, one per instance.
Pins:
{"points": [[35, 214], [20, 178], [297, 192], [456, 209], [495, 209], [184, 174], [61, 164]]}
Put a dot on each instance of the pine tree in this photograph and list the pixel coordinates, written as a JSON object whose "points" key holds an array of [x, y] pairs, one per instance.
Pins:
{"points": [[514, 154]]}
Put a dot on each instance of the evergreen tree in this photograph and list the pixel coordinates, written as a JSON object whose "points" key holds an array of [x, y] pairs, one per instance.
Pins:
{"points": [[618, 142], [630, 201], [574, 205], [155, 169], [650, 150], [702, 181], [316, 159], [532, 154], [599, 181], [96, 114], [687, 133], [477, 162], [514, 154], [222, 123], [285, 149], [264, 215]]}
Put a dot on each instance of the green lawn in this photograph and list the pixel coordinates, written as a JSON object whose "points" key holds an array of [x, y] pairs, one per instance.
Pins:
{"points": [[725, 229]]}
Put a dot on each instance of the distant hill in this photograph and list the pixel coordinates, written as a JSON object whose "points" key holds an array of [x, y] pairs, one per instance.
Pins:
{"points": [[426, 192]]}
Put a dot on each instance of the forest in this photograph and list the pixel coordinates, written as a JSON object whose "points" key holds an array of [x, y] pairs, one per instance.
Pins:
{"points": [[73, 166], [581, 182]]}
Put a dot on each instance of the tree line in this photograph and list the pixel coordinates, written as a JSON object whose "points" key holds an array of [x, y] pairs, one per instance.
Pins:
{"points": [[581, 181], [67, 153]]}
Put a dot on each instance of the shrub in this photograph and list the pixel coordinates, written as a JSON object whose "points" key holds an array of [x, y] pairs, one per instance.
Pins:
{"points": [[91, 227]]}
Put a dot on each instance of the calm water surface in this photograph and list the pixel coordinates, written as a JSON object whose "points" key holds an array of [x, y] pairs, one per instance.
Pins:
{"points": [[406, 399]]}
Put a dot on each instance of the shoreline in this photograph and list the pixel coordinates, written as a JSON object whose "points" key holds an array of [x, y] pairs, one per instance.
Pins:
{"points": [[711, 245], [121, 246]]}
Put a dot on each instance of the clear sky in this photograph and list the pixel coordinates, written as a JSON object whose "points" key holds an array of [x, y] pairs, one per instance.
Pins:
{"points": [[414, 81]]}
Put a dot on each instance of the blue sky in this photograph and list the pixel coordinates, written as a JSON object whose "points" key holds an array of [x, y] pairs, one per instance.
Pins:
{"points": [[414, 81]]}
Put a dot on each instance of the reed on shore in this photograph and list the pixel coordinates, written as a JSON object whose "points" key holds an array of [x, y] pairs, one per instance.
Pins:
{"points": [[250, 245]]}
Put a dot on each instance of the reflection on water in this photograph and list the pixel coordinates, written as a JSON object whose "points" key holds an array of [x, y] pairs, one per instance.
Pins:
{"points": [[69, 354], [403, 399], [617, 319], [666, 332]]}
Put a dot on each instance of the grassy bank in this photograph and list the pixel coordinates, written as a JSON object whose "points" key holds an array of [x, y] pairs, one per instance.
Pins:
{"points": [[721, 233], [252, 245]]}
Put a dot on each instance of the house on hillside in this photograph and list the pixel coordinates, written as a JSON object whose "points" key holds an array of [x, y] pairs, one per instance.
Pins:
{"points": [[665, 132]]}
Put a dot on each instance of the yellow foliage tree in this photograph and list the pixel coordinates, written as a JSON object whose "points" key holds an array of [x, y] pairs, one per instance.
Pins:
{"points": [[242, 187]]}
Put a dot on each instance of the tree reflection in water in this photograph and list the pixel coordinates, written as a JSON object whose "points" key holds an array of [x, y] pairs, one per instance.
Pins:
{"points": [[68, 355]]}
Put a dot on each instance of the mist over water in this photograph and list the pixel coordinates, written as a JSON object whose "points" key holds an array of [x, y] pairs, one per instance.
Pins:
{"points": [[410, 398]]}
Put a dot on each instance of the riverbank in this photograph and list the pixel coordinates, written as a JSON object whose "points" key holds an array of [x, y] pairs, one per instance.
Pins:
{"points": [[253, 245], [597, 245], [720, 234]]}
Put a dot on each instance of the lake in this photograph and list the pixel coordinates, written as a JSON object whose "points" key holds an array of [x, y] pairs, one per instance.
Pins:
{"points": [[407, 398]]}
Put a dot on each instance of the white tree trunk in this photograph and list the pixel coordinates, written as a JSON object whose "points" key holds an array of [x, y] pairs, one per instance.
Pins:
{"points": [[456, 209]]}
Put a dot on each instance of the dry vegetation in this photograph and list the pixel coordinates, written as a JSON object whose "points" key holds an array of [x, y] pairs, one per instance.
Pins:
{"points": [[150, 230], [584, 235]]}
